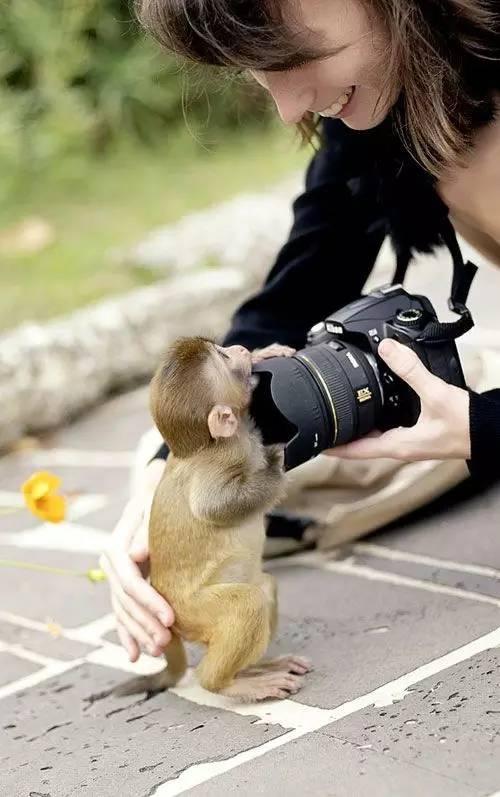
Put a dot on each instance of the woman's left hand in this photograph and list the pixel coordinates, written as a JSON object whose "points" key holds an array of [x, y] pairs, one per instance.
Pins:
{"points": [[442, 430]]}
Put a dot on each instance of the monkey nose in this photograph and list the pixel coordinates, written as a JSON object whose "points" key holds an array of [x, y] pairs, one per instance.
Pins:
{"points": [[241, 350]]}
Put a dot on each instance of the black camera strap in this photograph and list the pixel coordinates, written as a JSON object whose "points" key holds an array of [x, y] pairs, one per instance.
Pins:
{"points": [[463, 274]]}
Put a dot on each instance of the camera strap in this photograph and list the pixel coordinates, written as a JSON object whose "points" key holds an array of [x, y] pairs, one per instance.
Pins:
{"points": [[463, 275]]}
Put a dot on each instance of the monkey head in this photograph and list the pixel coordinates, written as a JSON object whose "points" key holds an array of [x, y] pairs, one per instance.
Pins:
{"points": [[200, 393]]}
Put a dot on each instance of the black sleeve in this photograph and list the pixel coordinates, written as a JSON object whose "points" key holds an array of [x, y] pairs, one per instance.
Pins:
{"points": [[338, 228], [484, 415], [337, 231]]}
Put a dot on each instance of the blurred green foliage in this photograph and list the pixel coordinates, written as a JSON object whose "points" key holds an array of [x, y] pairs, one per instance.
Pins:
{"points": [[76, 75]]}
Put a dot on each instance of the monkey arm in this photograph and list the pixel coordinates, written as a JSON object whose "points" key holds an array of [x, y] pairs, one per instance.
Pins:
{"points": [[229, 496]]}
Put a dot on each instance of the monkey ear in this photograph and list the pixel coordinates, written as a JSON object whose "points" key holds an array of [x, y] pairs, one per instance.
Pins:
{"points": [[222, 421]]}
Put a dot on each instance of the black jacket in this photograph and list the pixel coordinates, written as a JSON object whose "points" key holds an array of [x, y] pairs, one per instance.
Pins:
{"points": [[360, 187]]}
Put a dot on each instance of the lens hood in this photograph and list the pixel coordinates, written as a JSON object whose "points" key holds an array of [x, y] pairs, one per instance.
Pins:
{"points": [[288, 407]]}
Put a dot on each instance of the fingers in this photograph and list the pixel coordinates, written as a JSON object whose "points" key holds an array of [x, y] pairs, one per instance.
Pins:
{"points": [[407, 365], [125, 577], [143, 627], [128, 642], [394, 444], [134, 629]]}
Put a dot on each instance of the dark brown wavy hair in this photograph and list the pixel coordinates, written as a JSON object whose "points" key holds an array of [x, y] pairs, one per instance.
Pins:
{"points": [[444, 54]]}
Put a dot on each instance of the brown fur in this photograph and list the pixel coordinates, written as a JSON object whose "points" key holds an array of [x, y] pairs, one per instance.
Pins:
{"points": [[206, 533]]}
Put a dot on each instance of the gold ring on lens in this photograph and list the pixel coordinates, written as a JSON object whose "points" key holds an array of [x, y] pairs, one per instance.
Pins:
{"points": [[320, 379]]}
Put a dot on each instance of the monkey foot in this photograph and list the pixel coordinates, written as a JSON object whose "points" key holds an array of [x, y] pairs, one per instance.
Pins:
{"points": [[268, 685], [290, 663], [296, 664]]}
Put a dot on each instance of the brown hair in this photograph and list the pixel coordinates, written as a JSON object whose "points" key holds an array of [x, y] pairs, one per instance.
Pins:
{"points": [[184, 390], [442, 52]]}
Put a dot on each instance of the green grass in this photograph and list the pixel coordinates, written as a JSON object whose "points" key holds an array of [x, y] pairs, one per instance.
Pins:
{"points": [[95, 207]]}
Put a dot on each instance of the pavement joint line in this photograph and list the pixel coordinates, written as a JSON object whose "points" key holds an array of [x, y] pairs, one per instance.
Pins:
{"points": [[89, 633], [382, 696], [85, 504], [347, 567], [11, 499], [316, 559], [65, 536], [383, 552], [80, 458], [57, 668], [29, 655]]}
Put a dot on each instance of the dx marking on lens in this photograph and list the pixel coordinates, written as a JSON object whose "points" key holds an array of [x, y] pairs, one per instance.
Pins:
{"points": [[363, 394]]}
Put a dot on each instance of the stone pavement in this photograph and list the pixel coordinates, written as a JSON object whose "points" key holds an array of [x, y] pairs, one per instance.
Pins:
{"points": [[404, 633]]}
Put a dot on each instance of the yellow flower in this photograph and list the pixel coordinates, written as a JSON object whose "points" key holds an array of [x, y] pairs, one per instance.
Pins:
{"points": [[39, 494]]}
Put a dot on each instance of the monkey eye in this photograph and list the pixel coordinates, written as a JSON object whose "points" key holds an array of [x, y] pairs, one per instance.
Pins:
{"points": [[223, 353]]}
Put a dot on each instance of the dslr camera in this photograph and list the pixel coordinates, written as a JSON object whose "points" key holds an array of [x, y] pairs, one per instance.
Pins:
{"points": [[337, 388]]}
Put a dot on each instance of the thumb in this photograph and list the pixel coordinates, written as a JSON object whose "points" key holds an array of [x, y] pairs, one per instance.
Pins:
{"points": [[408, 366]]}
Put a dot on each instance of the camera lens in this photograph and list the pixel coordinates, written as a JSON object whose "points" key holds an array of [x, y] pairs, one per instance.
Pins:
{"points": [[325, 395], [349, 387]]}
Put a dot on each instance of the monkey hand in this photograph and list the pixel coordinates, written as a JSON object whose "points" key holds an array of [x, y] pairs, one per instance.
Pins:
{"points": [[143, 617], [275, 456], [273, 350]]}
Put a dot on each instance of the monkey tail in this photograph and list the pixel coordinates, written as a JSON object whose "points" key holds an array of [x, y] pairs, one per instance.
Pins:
{"points": [[150, 684], [175, 655]]}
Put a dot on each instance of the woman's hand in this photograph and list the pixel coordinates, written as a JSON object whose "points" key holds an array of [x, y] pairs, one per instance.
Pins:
{"points": [[143, 617], [442, 430]]}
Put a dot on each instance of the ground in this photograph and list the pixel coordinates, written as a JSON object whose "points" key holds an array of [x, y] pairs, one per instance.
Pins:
{"points": [[404, 636]]}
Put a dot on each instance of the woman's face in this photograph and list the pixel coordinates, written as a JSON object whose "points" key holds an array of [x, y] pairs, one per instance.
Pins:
{"points": [[350, 83]]}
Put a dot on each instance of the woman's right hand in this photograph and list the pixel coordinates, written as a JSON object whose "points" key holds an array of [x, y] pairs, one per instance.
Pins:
{"points": [[143, 616]]}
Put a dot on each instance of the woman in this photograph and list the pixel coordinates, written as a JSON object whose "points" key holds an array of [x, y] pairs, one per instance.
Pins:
{"points": [[407, 92]]}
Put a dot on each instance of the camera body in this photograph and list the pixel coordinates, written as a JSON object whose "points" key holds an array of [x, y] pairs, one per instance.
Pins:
{"points": [[337, 388], [389, 312]]}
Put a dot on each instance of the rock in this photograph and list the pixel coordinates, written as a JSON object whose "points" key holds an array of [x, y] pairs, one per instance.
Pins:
{"points": [[49, 373], [244, 232]]}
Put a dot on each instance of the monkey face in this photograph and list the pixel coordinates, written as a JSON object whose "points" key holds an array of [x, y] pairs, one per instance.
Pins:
{"points": [[237, 361]]}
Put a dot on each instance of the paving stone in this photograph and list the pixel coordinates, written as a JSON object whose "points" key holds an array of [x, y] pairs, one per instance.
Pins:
{"points": [[448, 724], [17, 521], [107, 517], [43, 643], [114, 426], [435, 575], [68, 745], [15, 469], [317, 765], [68, 600], [463, 528], [361, 634], [13, 667]]}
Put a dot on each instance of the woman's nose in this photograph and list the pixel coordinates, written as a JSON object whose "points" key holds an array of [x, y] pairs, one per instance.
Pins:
{"points": [[292, 100]]}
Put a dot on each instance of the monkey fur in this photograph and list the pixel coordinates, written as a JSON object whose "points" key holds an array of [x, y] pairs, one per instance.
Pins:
{"points": [[206, 529]]}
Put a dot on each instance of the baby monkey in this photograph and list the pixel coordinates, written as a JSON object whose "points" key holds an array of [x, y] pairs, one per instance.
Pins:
{"points": [[206, 530]]}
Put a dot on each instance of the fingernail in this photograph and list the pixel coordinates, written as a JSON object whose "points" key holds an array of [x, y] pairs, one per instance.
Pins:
{"points": [[165, 620], [387, 347]]}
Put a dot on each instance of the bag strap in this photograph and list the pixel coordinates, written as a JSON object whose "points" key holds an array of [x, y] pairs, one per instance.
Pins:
{"points": [[463, 275]]}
